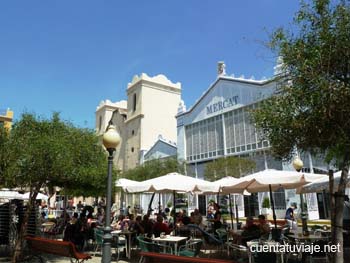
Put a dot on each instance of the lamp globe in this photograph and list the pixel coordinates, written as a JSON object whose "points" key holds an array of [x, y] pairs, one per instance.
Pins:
{"points": [[298, 164], [111, 138]]}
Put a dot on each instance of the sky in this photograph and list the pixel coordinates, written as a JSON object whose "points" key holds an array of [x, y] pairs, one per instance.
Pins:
{"points": [[67, 55]]}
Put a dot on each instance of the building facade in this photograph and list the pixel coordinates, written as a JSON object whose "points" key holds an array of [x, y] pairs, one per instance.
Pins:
{"points": [[219, 125], [160, 150], [150, 110]]}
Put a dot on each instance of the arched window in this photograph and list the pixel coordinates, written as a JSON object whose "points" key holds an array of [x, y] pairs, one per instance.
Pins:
{"points": [[100, 123], [134, 102]]}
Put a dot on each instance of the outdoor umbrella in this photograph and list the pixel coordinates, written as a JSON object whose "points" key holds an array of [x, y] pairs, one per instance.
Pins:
{"points": [[270, 180], [169, 183], [38, 197], [321, 184], [9, 194]]}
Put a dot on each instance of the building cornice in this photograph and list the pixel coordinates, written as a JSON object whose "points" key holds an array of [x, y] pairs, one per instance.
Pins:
{"points": [[259, 83], [134, 117]]}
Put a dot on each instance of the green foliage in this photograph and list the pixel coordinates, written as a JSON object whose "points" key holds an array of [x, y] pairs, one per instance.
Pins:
{"points": [[4, 157], [229, 166], [310, 110], [153, 169], [265, 203], [51, 152]]}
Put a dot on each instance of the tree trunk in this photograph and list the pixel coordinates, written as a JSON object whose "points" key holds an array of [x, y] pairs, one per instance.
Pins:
{"points": [[18, 253], [337, 217]]}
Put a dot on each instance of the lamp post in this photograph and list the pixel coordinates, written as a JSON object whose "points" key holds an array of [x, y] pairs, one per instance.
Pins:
{"points": [[298, 165], [111, 140]]}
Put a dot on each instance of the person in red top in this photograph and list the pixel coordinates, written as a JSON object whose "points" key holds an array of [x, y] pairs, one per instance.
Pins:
{"points": [[160, 227]]}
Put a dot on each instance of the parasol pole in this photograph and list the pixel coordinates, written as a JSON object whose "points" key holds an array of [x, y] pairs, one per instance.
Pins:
{"points": [[273, 207]]}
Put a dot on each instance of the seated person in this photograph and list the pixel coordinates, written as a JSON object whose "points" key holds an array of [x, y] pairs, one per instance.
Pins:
{"points": [[138, 228], [74, 218], [118, 222], [264, 227], [250, 231], [147, 225], [184, 230], [100, 217], [131, 222], [196, 217], [217, 218], [180, 215], [210, 210], [160, 227]]}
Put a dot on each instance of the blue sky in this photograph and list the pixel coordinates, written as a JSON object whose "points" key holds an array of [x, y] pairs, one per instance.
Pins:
{"points": [[68, 55]]}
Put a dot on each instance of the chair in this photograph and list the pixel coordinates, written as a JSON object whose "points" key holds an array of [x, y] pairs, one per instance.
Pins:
{"points": [[56, 230], [240, 253], [209, 239], [119, 242], [98, 234], [264, 257], [319, 256], [191, 249], [222, 235], [149, 246]]}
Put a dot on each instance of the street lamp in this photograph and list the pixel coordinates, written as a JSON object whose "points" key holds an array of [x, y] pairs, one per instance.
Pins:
{"points": [[111, 140], [298, 165]]}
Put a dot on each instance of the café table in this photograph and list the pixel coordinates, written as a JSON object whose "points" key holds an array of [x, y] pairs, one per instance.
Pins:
{"points": [[308, 239], [170, 239], [128, 234], [47, 226]]}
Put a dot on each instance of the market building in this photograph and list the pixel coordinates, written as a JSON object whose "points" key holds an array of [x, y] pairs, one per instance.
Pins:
{"points": [[219, 125]]}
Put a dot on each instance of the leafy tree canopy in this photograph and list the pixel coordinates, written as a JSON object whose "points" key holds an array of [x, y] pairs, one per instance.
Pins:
{"points": [[228, 166], [311, 109], [51, 152], [154, 168]]}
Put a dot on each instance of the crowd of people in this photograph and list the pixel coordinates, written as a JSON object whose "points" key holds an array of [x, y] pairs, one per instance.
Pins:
{"points": [[79, 227]]}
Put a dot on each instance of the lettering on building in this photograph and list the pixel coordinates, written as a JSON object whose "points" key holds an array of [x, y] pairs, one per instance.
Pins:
{"points": [[218, 106]]}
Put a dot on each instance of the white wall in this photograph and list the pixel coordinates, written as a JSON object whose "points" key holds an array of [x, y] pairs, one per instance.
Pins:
{"points": [[159, 108]]}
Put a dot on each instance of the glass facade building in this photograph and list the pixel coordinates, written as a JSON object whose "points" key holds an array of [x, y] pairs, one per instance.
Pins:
{"points": [[230, 133], [219, 124]]}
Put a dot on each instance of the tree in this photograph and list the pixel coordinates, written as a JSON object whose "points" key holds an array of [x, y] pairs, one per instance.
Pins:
{"points": [[310, 111], [153, 169], [228, 166], [46, 153], [4, 160]]}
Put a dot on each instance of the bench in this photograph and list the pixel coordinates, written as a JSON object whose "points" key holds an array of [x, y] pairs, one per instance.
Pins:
{"points": [[55, 247], [151, 257]]}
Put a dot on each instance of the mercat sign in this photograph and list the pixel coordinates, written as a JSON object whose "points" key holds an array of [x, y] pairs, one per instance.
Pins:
{"points": [[227, 103]]}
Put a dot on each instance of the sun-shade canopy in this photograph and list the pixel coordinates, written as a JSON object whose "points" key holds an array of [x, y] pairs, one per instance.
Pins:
{"points": [[260, 181], [321, 184], [166, 184], [40, 196], [9, 194]]}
